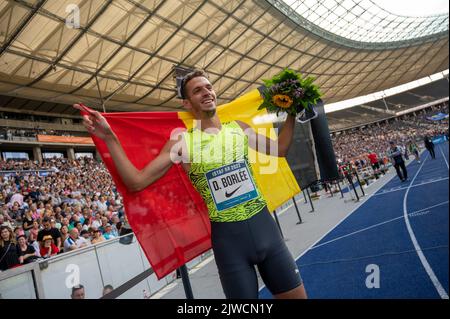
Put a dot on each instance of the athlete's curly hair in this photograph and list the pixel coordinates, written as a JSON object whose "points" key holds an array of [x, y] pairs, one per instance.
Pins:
{"points": [[187, 78]]}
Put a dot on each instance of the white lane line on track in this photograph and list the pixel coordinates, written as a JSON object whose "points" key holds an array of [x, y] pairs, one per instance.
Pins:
{"points": [[441, 291], [445, 159], [376, 225], [359, 204], [406, 187]]}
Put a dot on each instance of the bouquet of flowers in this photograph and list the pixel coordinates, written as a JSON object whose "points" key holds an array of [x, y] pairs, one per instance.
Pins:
{"points": [[289, 92]]}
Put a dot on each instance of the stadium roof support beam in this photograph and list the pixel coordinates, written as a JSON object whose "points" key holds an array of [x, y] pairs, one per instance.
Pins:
{"points": [[22, 25]]}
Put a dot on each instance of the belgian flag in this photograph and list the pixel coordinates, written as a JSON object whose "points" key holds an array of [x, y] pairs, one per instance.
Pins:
{"points": [[169, 217]]}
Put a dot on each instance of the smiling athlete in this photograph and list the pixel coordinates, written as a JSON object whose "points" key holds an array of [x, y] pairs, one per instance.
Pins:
{"points": [[215, 158]]}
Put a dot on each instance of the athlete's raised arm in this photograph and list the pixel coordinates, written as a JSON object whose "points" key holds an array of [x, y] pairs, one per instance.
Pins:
{"points": [[134, 179], [282, 144]]}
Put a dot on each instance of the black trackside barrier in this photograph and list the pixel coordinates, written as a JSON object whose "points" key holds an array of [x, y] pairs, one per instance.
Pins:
{"points": [[350, 180], [278, 223], [298, 212], [340, 189], [359, 182], [128, 285], [186, 282], [142, 276], [310, 201]]}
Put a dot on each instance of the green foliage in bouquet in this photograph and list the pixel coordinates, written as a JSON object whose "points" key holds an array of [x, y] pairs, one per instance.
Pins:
{"points": [[288, 91]]}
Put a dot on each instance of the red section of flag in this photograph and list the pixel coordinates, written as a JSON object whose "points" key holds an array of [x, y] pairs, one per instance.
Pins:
{"points": [[169, 217]]}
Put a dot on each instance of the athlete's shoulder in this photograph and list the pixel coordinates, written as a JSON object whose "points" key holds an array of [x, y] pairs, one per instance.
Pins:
{"points": [[244, 126], [240, 123]]}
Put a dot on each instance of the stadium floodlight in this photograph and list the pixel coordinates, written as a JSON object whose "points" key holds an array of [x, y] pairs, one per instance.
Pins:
{"points": [[337, 106]]}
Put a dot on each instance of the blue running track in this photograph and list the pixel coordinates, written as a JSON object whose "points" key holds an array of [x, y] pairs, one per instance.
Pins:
{"points": [[395, 245]]}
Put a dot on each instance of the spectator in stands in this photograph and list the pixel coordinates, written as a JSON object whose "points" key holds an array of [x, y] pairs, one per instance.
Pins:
{"points": [[74, 241], [115, 225], [27, 203], [85, 234], [4, 211], [4, 222], [98, 237], [34, 212], [97, 222], [15, 212], [54, 222], [34, 231], [34, 194], [9, 135], [56, 200], [101, 204], [48, 230], [64, 234], [74, 220], [27, 222], [396, 154], [65, 222], [16, 198], [18, 231], [58, 213], [78, 226], [77, 292], [25, 251], [41, 209], [103, 226], [78, 213], [8, 249], [48, 248], [108, 232]]}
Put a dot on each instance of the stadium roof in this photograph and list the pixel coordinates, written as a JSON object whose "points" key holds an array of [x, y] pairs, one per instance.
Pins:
{"points": [[125, 51]]}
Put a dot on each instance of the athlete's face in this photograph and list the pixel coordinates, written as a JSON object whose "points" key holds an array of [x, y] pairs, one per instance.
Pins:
{"points": [[201, 97]]}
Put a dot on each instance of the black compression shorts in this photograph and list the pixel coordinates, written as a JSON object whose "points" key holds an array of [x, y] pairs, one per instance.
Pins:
{"points": [[239, 246]]}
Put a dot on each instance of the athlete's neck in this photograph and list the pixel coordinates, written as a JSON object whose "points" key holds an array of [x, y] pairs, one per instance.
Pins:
{"points": [[208, 123]]}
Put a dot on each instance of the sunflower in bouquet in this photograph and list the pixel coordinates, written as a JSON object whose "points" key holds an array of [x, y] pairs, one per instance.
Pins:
{"points": [[289, 92]]}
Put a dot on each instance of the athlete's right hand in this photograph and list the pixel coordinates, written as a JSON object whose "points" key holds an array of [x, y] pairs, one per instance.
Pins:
{"points": [[96, 124]]}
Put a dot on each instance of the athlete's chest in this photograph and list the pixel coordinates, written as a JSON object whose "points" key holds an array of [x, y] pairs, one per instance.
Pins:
{"points": [[229, 145]]}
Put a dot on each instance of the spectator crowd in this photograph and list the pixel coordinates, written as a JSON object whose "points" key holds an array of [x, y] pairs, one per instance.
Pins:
{"points": [[356, 145], [11, 134], [74, 205]]}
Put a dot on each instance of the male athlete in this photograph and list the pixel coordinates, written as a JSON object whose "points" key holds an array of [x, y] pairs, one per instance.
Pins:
{"points": [[243, 233]]}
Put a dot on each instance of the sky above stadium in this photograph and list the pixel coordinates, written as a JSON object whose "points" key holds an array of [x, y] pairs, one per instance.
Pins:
{"points": [[414, 8], [376, 21]]}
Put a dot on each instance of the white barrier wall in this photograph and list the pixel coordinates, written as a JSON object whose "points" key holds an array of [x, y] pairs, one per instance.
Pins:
{"points": [[20, 286], [107, 263]]}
